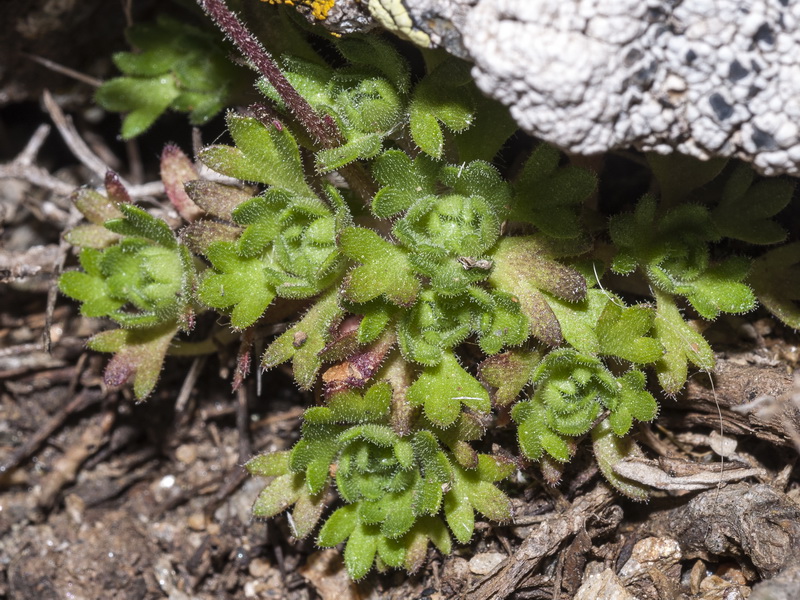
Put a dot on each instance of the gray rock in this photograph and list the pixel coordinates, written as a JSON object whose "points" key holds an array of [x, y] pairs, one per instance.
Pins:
{"points": [[702, 77]]}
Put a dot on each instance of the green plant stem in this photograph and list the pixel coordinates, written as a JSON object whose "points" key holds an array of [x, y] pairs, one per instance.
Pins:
{"points": [[210, 345], [399, 375], [321, 127]]}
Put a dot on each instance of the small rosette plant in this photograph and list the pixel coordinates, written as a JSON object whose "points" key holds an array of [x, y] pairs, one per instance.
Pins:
{"points": [[395, 487], [135, 272]]}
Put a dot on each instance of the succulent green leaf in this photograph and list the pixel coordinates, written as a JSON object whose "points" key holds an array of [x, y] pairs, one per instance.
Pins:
{"points": [[399, 514], [632, 401], [673, 250], [531, 419], [579, 320], [623, 332], [136, 283], [427, 496], [668, 246], [484, 497], [300, 234], [416, 541], [90, 287], [719, 289], [364, 146], [377, 316], [94, 206], [392, 552], [269, 465], [493, 468], [351, 407], [449, 273], [432, 326], [776, 278], [501, 323], [403, 180], [371, 51], [242, 283], [339, 526], [479, 178], [310, 78], [280, 494], [138, 222], [609, 449], [143, 99], [550, 197], [370, 105], [534, 434], [442, 389], [138, 355], [91, 236], [453, 224], [359, 553], [570, 389], [303, 341], [682, 344], [464, 454], [745, 209], [307, 512], [404, 453], [145, 64], [523, 268], [441, 97], [176, 61], [435, 464], [459, 515], [379, 435], [263, 153], [384, 270], [313, 454]]}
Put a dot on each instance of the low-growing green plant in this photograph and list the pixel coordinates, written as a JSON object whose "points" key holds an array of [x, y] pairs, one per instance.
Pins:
{"points": [[367, 195]]}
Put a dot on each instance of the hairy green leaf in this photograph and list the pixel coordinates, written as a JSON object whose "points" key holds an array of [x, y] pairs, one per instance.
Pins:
{"points": [[682, 343], [384, 268], [442, 389], [304, 340]]}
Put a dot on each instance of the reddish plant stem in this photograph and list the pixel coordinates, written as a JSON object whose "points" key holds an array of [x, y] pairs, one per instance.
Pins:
{"points": [[322, 129]]}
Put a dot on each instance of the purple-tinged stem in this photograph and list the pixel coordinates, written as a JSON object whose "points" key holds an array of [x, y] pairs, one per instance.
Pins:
{"points": [[323, 130]]}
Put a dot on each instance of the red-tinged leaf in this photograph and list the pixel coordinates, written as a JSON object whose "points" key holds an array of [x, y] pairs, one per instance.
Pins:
{"points": [[216, 198], [115, 190], [356, 371], [176, 171], [139, 354], [94, 206]]}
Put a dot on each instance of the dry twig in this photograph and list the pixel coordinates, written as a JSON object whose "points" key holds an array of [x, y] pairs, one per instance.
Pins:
{"points": [[22, 167], [543, 542], [21, 453]]}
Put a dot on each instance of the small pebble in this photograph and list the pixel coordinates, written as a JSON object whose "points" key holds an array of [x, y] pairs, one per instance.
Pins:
{"points": [[197, 521], [259, 567], [484, 563], [186, 453]]}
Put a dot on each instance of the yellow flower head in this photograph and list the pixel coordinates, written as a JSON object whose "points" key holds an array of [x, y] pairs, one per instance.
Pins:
{"points": [[319, 8]]}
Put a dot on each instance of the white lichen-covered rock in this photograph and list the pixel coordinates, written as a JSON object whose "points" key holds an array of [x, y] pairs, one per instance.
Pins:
{"points": [[702, 77]]}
